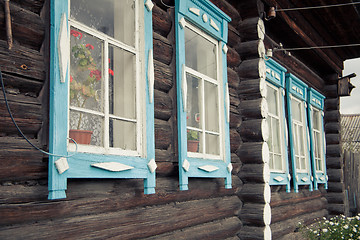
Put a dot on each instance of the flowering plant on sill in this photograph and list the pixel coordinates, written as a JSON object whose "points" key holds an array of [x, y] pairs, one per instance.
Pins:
{"points": [[192, 135], [85, 77], [338, 227]]}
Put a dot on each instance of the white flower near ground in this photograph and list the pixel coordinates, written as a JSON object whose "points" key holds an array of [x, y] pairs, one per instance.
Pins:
{"points": [[324, 230]]}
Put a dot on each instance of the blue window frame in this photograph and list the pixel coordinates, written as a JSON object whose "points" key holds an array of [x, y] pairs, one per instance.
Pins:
{"points": [[279, 164], [122, 144], [317, 137], [202, 91], [296, 91]]}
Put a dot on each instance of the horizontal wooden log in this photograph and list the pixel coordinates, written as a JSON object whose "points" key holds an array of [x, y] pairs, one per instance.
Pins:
{"points": [[252, 69], [282, 213], [234, 140], [255, 193], [336, 175], [163, 50], [256, 130], [134, 223], [163, 76], [31, 5], [332, 127], [166, 169], [233, 58], [282, 230], [253, 153], [282, 198], [334, 162], [332, 104], [28, 29], [163, 134], [26, 112], [229, 9], [252, 89], [254, 109], [233, 37], [337, 187], [163, 108], [255, 233], [331, 91], [19, 161], [234, 98], [256, 214], [161, 21], [222, 229], [233, 78], [255, 173], [333, 150], [337, 198], [336, 209], [235, 119], [164, 156], [332, 116], [251, 29], [23, 62], [23, 85], [252, 49], [333, 138]]}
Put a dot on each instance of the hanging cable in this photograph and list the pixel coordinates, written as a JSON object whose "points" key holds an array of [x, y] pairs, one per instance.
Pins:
{"points": [[317, 47], [22, 134], [316, 7]]}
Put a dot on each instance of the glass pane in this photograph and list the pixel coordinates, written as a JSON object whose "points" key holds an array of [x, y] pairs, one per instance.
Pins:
{"points": [[272, 100], [212, 144], [278, 162], [319, 165], [271, 162], [277, 138], [200, 54], [122, 83], [270, 141], [194, 141], [316, 119], [194, 101], [296, 109], [86, 81], [297, 163], [103, 14], [122, 134], [89, 122], [302, 141], [211, 107], [296, 139], [302, 163]]}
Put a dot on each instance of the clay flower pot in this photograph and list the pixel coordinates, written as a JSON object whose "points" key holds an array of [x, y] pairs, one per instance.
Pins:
{"points": [[80, 136]]}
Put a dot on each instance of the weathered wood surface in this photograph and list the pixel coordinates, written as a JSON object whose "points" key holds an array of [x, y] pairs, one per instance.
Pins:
{"points": [[333, 162], [233, 78], [253, 152], [333, 150], [332, 127], [163, 50], [333, 138], [163, 76], [252, 69], [336, 175], [252, 89], [26, 112], [255, 233], [161, 21], [31, 5], [255, 193], [19, 161], [254, 109], [27, 27], [233, 58], [251, 29], [256, 214], [233, 37], [162, 105], [252, 49], [256, 130], [229, 9], [23, 85], [163, 134], [22, 62], [126, 223], [255, 173]]}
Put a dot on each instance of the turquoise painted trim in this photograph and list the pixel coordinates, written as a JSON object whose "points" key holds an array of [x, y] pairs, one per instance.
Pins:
{"points": [[300, 92], [182, 11], [316, 100], [211, 11], [273, 68], [58, 109], [80, 164]]}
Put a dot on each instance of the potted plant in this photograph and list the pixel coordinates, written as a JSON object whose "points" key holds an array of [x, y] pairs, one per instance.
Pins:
{"points": [[85, 80], [193, 138]]}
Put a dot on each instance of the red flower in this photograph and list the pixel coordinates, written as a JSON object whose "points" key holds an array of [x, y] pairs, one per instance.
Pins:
{"points": [[71, 79], [111, 72], [96, 73], [89, 46], [76, 34]]}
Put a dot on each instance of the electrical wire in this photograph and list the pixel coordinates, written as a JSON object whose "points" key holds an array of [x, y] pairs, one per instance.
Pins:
{"points": [[317, 47], [22, 134], [316, 7], [166, 4]]}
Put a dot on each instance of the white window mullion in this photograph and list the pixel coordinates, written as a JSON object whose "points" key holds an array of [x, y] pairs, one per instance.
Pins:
{"points": [[106, 95], [203, 114]]}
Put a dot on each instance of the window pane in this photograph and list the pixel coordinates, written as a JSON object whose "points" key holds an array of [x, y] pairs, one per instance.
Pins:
{"points": [[211, 107], [296, 108], [212, 144], [272, 100], [122, 83], [194, 101], [89, 122], [276, 136], [194, 141], [278, 162], [200, 54], [316, 119], [122, 134], [86, 80], [103, 14]]}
